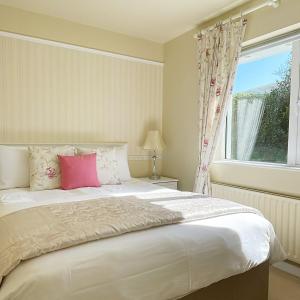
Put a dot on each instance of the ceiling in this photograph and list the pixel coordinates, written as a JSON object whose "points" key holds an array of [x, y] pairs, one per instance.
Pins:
{"points": [[156, 20]]}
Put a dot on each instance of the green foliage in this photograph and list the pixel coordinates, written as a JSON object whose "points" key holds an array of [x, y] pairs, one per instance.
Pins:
{"points": [[272, 139]]}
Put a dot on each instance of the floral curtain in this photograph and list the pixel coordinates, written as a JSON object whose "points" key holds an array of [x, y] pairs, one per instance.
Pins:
{"points": [[218, 53]]}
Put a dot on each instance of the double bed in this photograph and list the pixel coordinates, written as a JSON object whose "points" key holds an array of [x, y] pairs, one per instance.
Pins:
{"points": [[205, 258]]}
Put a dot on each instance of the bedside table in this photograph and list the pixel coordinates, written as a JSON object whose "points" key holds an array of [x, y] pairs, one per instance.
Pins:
{"points": [[170, 183]]}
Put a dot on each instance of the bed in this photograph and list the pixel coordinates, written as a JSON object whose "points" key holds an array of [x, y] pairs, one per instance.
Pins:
{"points": [[222, 257]]}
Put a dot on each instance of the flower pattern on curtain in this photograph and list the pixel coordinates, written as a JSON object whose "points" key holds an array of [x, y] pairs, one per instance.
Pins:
{"points": [[218, 53]]}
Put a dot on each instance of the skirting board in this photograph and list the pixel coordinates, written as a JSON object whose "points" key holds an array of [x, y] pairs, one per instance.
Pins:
{"points": [[286, 266]]}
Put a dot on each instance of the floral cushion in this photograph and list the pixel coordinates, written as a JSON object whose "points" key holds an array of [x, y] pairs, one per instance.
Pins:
{"points": [[44, 166], [107, 165]]}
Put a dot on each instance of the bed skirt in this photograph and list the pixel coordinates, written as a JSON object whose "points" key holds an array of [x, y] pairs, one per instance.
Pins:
{"points": [[250, 285]]}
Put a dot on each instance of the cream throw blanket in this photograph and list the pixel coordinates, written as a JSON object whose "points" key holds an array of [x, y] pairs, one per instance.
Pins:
{"points": [[34, 231]]}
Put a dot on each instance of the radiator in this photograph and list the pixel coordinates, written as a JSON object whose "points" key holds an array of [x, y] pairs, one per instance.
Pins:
{"points": [[283, 212]]}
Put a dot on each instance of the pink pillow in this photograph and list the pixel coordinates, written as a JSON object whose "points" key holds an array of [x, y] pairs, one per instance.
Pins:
{"points": [[78, 171]]}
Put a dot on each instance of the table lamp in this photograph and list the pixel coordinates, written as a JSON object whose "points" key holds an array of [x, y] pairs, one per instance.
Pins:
{"points": [[155, 143]]}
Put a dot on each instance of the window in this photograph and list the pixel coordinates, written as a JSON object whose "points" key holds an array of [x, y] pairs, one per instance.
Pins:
{"points": [[262, 123]]}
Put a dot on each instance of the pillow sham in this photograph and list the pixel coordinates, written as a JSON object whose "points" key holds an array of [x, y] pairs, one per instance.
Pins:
{"points": [[44, 166], [122, 162], [14, 167], [107, 167], [78, 171]]}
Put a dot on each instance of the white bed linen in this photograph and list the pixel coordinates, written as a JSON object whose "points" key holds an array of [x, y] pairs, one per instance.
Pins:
{"points": [[159, 263]]}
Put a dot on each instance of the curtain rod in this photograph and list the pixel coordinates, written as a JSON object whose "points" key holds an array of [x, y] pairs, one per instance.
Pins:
{"points": [[271, 3]]}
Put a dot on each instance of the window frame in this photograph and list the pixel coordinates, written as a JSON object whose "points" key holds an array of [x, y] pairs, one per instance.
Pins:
{"points": [[293, 158], [293, 151]]}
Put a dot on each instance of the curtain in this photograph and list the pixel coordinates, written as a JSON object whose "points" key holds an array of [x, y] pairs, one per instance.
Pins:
{"points": [[218, 53], [248, 119]]}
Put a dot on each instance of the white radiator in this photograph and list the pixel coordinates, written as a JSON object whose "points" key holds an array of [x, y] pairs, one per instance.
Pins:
{"points": [[282, 212]]}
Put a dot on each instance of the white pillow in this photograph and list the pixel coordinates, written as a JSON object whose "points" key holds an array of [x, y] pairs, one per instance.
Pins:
{"points": [[122, 161], [44, 166], [107, 166], [14, 167]]}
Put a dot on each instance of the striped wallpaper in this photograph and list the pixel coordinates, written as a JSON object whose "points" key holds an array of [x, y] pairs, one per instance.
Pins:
{"points": [[54, 94]]}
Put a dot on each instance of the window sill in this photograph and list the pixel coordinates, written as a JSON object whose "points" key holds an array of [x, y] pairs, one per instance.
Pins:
{"points": [[275, 178], [256, 164]]}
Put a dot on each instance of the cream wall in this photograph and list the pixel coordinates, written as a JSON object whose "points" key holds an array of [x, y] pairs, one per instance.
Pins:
{"points": [[54, 94], [82, 96], [42, 26], [180, 107], [180, 110]]}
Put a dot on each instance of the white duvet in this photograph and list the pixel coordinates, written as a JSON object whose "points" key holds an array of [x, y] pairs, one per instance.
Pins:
{"points": [[161, 263]]}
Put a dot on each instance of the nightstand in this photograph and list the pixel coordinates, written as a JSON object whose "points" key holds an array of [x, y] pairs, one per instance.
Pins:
{"points": [[170, 183]]}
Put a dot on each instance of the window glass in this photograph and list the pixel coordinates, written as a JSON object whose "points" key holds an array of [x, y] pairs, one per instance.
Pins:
{"points": [[258, 118]]}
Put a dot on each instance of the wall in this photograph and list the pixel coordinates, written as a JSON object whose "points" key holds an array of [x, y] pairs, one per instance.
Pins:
{"points": [[180, 100], [42, 26], [180, 110], [83, 96]]}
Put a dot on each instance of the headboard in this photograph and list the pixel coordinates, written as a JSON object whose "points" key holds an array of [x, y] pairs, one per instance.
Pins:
{"points": [[140, 166]]}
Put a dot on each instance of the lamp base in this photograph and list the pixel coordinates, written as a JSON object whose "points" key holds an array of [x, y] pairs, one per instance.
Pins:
{"points": [[154, 177]]}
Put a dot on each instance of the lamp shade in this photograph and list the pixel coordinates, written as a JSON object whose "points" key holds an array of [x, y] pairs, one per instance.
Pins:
{"points": [[154, 141]]}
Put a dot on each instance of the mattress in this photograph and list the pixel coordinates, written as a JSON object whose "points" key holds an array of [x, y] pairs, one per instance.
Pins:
{"points": [[167, 262]]}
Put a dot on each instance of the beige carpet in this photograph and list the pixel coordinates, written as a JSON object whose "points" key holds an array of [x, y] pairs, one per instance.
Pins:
{"points": [[283, 286]]}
